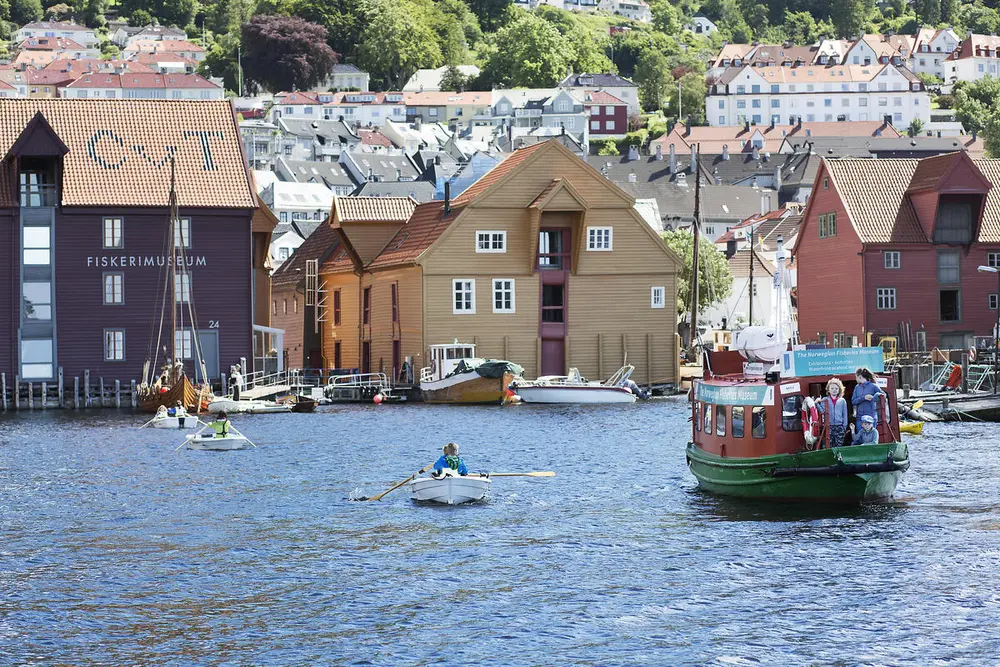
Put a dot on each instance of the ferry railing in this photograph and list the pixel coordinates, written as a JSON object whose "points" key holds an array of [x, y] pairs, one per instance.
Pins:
{"points": [[426, 374], [378, 380], [317, 377]]}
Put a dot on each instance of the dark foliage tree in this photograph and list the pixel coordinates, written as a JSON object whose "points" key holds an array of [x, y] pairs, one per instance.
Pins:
{"points": [[285, 52], [491, 13], [140, 18], [25, 11]]}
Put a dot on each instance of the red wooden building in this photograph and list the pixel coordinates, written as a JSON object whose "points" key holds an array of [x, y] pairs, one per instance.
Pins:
{"points": [[891, 247]]}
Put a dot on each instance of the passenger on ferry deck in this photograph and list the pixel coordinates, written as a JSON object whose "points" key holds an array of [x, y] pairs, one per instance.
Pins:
{"points": [[866, 396], [835, 407], [867, 435]]}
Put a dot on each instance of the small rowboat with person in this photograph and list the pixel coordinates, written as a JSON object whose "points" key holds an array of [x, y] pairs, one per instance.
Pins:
{"points": [[222, 438], [176, 417]]}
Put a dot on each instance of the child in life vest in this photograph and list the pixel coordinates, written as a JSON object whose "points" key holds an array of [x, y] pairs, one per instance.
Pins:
{"points": [[450, 462]]}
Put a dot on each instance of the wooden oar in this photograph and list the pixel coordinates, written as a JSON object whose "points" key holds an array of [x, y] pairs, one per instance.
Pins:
{"points": [[540, 473], [393, 488], [919, 404]]}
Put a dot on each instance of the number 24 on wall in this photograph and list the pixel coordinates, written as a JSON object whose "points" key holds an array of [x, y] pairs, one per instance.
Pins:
{"points": [[213, 324]]}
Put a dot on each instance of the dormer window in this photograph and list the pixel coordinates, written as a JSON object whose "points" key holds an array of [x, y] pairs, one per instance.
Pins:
{"points": [[954, 220]]}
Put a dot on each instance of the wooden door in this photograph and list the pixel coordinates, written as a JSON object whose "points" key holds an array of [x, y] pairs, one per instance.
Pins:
{"points": [[553, 356]]}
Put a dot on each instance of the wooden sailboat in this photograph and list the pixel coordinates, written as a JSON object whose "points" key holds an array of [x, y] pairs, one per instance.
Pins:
{"points": [[171, 386]]}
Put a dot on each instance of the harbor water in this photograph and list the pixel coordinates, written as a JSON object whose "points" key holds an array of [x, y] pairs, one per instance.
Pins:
{"points": [[115, 549]]}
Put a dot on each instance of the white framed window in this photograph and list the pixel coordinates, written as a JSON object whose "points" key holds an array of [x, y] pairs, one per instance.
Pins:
{"points": [[183, 344], [993, 259], [993, 301], [595, 125], [37, 359], [283, 253], [114, 345], [599, 238], [503, 295], [37, 246], [658, 297], [463, 300], [710, 230], [182, 233], [609, 125], [892, 260], [491, 241], [113, 233], [182, 288], [114, 289], [885, 298], [36, 300], [609, 111]]}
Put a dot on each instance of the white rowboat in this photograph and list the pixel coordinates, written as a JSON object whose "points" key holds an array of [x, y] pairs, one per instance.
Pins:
{"points": [[181, 421], [210, 441], [451, 489]]}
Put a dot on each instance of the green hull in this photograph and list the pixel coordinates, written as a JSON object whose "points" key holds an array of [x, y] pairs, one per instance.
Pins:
{"points": [[864, 473]]}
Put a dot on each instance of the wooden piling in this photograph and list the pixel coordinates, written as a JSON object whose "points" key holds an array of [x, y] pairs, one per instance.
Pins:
{"points": [[45, 393], [17, 392], [118, 393], [3, 391], [965, 372], [31, 396], [600, 355], [86, 388], [649, 361], [76, 392], [132, 390], [101, 380], [62, 387]]}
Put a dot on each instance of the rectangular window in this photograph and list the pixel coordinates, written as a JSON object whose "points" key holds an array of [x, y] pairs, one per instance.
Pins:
{"points": [[114, 345], [738, 425], [183, 345], [394, 288], [759, 422], [366, 306], [463, 296], [774, 89], [791, 419], [720, 420], [954, 222], [993, 301], [283, 253], [599, 238], [822, 225], [491, 242], [36, 301], [697, 416], [595, 125], [741, 104], [182, 233], [112, 232], [37, 246], [708, 419], [36, 359], [885, 298], [657, 297], [503, 295], [182, 288], [948, 263], [114, 288], [755, 104], [950, 301], [609, 125], [336, 307], [755, 88], [892, 259]]}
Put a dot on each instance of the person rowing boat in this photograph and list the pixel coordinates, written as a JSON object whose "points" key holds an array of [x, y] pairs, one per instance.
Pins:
{"points": [[450, 461]]}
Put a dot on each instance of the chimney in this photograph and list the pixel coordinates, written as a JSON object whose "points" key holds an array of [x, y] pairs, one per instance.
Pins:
{"points": [[437, 159], [756, 152], [798, 123], [694, 159], [725, 151], [975, 134], [633, 153], [730, 248], [746, 126], [772, 122], [371, 174], [765, 203], [447, 197], [631, 178], [399, 175], [659, 152], [888, 119], [777, 177], [673, 160]]}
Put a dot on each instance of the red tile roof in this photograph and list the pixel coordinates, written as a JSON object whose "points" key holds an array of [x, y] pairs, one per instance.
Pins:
{"points": [[879, 214], [288, 99], [602, 97], [498, 172], [50, 44], [142, 80], [144, 60], [423, 228], [374, 138], [317, 245], [736, 137], [163, 45], [119, 150], [372, 209], [45, 77], [89, 65]]}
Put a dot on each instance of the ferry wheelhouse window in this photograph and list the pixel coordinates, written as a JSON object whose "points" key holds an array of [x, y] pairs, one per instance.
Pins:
{"points": [[697, 416], [738, 423], [599, 238], [182, 288], [114, 345], [708, 419], [182, 233], [791, 420], [183, 345], [37, 246], [758, 427], [491, 242], [885, 298], [113, 233], [36, 304], [463, 296], [720, 420], [114, 288], [892, 259], [658, 297], [503, 295]]}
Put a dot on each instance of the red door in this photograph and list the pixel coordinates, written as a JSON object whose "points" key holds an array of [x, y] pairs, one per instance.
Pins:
{"points": [[553, 356], [366, 357]]}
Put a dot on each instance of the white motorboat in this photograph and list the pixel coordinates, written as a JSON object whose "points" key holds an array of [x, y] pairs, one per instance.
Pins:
{"points": [[247, 406], [173, 418], [213, 442], [574, 388], [450, 489]]}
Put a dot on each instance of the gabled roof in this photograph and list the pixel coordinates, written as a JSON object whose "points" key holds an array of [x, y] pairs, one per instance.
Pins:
{"points": [[601, 97], [50, 44], [878, 215], [420, 191], [423, 228], [318, 246], [496, 174], [326, 173], [596, 81], [371, 209], [91, 65], [56, 25], [374, 138], [739, 265], [296, 98], [119, 150]]}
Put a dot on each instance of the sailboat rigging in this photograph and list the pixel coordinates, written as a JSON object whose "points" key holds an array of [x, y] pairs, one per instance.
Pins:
{"points": [[170, 385]]}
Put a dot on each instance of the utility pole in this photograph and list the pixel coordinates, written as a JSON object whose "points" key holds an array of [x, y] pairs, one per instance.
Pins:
{"points": [[694, 256], [239, 67], [750, 288], [680, 111]]}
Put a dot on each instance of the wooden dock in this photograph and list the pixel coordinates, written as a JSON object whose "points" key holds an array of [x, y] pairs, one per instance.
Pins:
{"points": [[73, 393]]}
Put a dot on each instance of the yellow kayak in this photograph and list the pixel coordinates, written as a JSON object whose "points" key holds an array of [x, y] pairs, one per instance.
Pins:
{"points": [[913, 428]]}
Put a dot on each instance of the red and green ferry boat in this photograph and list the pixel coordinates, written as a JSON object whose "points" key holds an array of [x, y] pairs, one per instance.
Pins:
{"points": [[747, 430]]}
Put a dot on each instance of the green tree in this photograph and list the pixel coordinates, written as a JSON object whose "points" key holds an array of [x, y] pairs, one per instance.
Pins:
{"points": [[979, 19], [851, 17], [928, 11], [58, 12], [528, 51], [949, 11], [607, 147], [139, 18], [801, 28], [453, 79], [916, 127], [975, 102], [342, 19], [492, 14], [283, 52], [94, 13], [715, 281], [25, 11], [666, 16], [395, 42], [5, 15], [652, 73], [692, 92], [220, 61]]}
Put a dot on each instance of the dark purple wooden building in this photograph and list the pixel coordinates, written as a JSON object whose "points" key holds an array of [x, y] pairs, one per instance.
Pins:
{"points": [[85, 236]]}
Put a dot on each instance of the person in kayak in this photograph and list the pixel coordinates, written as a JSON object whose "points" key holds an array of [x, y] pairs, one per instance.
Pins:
{"points": [[450, 460], [865, 397], [867, 435], [220, 425], [834, 406]]}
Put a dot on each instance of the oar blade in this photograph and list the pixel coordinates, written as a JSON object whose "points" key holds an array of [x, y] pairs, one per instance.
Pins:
{"points": [[538, 473]]}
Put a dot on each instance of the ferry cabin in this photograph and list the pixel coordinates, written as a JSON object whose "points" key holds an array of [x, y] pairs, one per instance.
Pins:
{"points": [[84, 187], [739, 416]]}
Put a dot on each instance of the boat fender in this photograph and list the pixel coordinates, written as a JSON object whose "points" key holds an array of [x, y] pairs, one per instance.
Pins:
{"points": [[972, 354], [377, 399]]}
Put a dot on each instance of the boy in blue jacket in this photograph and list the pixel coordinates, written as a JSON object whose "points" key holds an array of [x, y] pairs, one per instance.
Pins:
{"points": [[450, 460], [867, 435]]}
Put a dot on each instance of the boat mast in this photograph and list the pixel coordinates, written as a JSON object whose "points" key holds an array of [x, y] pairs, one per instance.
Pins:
{"points": [[694, 253], [172, 242], [750, 286]]}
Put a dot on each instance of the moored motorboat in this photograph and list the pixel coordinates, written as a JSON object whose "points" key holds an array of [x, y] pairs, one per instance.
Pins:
{"points": [[449, 489], [246, 406], [458, 376], [911, 427], [574, 388], [213, 442]]}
